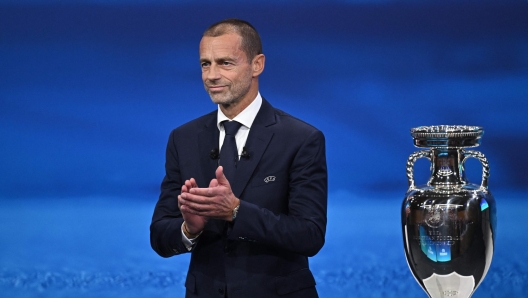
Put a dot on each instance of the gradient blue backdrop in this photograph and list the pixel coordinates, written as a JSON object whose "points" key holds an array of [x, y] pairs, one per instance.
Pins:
{"points": [[90, 90]]}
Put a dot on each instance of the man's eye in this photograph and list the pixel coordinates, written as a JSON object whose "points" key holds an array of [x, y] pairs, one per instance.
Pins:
{"points": [[204, 64], [226, 63]]}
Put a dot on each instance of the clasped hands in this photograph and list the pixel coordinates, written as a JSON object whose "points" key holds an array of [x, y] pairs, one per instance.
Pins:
{"points": [[198, 205]]}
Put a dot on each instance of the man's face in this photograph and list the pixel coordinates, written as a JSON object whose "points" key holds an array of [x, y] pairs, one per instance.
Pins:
{"points": [[226, 72]]}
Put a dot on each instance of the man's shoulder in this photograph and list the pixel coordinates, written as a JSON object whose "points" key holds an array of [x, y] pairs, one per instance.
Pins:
{"points": [[286, 120]]}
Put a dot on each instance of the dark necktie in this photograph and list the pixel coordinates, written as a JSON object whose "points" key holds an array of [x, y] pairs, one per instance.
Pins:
{"points": [[229, 151]]}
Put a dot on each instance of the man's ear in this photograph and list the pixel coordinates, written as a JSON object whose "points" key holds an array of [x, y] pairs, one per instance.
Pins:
{"points": [[258, 64]]}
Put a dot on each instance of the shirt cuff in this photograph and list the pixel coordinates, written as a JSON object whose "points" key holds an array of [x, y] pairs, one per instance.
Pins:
{"points": [[189, 243]]}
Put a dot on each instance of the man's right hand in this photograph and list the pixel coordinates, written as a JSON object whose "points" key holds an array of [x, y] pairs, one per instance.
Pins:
{"points": [[194, 223]]}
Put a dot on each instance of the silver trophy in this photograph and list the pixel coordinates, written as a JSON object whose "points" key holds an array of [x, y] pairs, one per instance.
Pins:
{"points": [[448, 224]]}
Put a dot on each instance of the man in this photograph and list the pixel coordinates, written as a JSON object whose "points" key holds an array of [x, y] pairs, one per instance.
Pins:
{"points": [[245, 189]]}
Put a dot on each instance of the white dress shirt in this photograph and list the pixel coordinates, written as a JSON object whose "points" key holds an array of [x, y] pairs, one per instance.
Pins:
{"points": [[246, 118]]}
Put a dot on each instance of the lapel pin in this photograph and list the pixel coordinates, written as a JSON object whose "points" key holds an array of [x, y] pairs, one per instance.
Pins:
{"points": [[269, 178]]}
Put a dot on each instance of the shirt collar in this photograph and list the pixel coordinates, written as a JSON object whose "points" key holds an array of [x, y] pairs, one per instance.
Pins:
{"points": [[246, 117]]}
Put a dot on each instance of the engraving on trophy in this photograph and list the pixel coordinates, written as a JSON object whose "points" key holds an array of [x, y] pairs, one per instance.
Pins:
{"points": [[437, 240], [450, 293], [434, 217], [437, 214]]}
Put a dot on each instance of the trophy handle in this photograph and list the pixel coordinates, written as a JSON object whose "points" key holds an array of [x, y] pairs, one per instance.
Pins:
{"points": [[410, 164], [485, 165]]}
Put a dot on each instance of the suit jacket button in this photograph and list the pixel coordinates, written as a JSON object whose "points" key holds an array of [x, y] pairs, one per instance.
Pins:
{"points": [[221, 291]]}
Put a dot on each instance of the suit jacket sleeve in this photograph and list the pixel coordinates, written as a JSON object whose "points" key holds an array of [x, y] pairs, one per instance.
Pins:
{"points": [[165, 229], [301, 227]]}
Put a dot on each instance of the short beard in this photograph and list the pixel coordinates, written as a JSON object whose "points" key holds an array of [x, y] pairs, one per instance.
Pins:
{"points": [[229, 98], [234, 95]]}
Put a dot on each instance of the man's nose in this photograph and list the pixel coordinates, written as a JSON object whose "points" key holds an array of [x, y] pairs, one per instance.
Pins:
{"points": [[213, 72]]}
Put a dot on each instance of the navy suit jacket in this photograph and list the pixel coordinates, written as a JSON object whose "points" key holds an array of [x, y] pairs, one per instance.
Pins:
{"points": [[281, 221]]}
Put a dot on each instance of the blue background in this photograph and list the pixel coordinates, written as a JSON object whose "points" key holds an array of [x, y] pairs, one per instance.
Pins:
{"points": [[90, 90]]}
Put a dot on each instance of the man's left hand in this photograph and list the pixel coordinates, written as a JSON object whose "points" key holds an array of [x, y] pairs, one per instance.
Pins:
{"points": [[217, 201]]}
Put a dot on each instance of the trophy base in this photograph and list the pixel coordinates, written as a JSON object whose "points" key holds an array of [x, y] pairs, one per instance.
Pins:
{"points": [[451, 285]]}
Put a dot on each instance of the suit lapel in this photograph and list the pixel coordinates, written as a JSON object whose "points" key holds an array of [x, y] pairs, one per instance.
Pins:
{"points": [[258, 139], [207, 141]]}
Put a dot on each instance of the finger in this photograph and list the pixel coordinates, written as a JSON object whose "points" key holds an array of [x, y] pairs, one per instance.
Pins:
{"points": [[195, 208], [193, 183], [188, 184], [209, 192], [198, 196], [213, 183], [185, 207], [181, 202], [222, 180]]}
